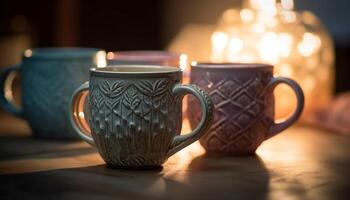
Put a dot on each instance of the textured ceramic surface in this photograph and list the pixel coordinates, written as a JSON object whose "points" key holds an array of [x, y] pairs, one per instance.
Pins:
{"points": [[244, 106], [136, 117], [48, 79]]}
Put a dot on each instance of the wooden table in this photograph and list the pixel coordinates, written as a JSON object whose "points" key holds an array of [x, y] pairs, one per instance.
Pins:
{"points": [[300, 163]]}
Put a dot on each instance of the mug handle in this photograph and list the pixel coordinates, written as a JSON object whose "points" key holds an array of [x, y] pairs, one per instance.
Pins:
{"points": [[181, 141], [279, 127], [6, 90], [76, 113]]}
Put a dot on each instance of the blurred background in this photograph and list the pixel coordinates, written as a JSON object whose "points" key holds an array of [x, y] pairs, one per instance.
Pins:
{"points": [[117, 25], [143, 24]]}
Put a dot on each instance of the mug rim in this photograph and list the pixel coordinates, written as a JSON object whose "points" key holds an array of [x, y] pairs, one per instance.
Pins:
{"points": [[61, 52], [137, 69], [231, 65]]}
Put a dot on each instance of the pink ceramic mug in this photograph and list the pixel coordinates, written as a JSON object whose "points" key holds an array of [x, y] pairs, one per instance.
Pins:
{"points": [[244, 105]]}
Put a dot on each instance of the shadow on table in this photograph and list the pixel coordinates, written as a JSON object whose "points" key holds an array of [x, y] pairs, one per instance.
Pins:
{"points": [[12, 148], [95, 182], [230, 177], [206, 178]]}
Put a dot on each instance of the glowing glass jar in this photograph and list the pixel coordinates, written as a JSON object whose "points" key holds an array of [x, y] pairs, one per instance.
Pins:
{"points": [[296, 43]]}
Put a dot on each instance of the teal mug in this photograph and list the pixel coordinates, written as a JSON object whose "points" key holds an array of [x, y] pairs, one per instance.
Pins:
{"points": [[48, 79], [135, 114]]}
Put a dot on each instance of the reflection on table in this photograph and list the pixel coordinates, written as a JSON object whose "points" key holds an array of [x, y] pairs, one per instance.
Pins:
{"points": [[300, 163]]}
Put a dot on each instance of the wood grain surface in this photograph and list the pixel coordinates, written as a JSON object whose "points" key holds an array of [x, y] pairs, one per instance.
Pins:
{"points": [[300, 163]]}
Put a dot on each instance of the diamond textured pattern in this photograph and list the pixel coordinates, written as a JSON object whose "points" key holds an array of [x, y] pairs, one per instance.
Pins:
{"points": [[243, 112], [47, 88]]}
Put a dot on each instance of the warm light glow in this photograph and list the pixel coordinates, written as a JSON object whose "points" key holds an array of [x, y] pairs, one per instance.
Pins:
{"points": [[219, 40], [309, 83], [28, 53], [259, 28], [110, 55], [265, 5], [183, 62], [271, 31], [255, 4], [268, 47], [235, 45], [286, 70], [285, 42], [267, 18], [287, 4], [81, 114], [230, 15], [101, 59], [194, 63], [289, 16], [247, 15], [182, 159], [8, 86], [312, 63], [309, 18], [309, 45]]}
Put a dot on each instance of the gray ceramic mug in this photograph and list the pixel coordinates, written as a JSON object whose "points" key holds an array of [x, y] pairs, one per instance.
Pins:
{"points": [[244, 106], [135, 115], [49, 77]]}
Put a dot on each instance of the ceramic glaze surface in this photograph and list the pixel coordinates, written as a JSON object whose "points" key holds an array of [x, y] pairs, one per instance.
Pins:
{"points": [[48, 79], [136, 118], [244, 108], [47, 87], [145, 117]]}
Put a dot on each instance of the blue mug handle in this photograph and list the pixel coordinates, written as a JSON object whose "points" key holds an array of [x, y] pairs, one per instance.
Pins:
{"points": [[6, 90]]}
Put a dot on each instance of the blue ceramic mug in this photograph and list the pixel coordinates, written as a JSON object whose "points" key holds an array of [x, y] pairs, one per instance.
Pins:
{"points": [[48, 79]]}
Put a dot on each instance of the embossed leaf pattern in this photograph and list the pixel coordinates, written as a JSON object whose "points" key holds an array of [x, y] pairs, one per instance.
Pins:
{"points": [[96, 98], [150, 88], [105, 87], [159, 87], [112, 90], [131, 99], [143, 116], [99, 99], [145, 87], [117, 88], [109, 106]]}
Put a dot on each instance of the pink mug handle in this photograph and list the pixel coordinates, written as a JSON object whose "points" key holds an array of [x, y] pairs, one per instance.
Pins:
{"points": [[279, 127]]}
